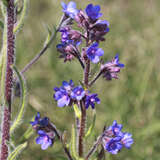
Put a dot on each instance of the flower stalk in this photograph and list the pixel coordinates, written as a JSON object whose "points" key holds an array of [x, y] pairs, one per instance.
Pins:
{"points": [[8, 79]]}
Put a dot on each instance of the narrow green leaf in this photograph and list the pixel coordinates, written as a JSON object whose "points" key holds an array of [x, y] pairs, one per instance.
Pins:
{"points": [[73, 143], [17, 151], [3, 62], [77, 111], [49, 34], [91, 128], [1, 24], [5, 2], [22, 17], [19, 118], [29, 132], [3, 9]]}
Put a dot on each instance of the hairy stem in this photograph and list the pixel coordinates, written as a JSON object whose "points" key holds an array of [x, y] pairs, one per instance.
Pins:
{"points": [[8, 80], [95, 78], [94, 147], [44, 49], [86, 72], [58, 134], [82, 129]]}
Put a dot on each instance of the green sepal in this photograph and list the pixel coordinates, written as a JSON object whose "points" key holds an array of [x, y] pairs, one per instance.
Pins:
{"points": [[19, 118], [17, 151], [91, 128], [77, 111]]}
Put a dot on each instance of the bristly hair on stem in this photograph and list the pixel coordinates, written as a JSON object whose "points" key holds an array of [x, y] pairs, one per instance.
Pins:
{"points": [[8, 80]]}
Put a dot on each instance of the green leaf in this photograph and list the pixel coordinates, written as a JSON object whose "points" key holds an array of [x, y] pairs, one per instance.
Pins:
{"points": [[91, 128], [1, 24], [22, 17], [19, 118], [17, 151], [73, 143], [49, 34], [77, 111], [3, 62], [5, 2], [29, 132]]}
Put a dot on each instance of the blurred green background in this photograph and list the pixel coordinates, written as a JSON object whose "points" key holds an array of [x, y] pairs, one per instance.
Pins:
{"points": [[133, 100]]}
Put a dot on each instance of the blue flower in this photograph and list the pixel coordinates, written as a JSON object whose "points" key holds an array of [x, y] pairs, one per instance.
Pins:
{"points": [[114, 145], [78, 93], [91, 100], [68, 86], [127, 140], [116, 128], [110, 69], [44, 140], [93, 12], [93, 52], [62, 97], [70, 9], [114, 139]]}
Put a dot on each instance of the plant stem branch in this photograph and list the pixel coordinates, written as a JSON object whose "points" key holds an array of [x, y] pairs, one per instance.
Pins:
{"points": [[82, 128], [95, 78], [58, 134], [8, 80], [43, 50], [93, 148]]}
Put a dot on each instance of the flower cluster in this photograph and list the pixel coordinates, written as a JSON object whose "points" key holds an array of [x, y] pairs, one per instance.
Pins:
{"points": [[114, 139], [93, 31], [68, 94], [42, 127]]}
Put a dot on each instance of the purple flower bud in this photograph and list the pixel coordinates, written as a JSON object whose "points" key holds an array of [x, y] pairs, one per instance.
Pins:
{"points": [[82, 19], [99, 30], [78, 93], [93, 52], [70, 9], [110, 69], [91, 100], [93, 12]]}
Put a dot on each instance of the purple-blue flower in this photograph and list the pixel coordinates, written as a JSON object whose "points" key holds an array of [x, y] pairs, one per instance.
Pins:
{"points": [[114, 139], [78, 93], [110, 69], [91, 100], [44, 140], [70, 9], [93, 52], [93, 12], [62, 97], [68, 85], [114, 145], [127, 140]]}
